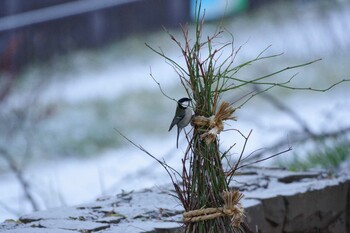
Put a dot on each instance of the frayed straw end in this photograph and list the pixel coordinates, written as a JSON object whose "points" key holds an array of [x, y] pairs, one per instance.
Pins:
{"points": [[214, 123], [225, 112], [233, 207]]}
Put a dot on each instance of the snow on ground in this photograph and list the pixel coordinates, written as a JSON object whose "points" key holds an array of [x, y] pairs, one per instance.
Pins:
{"points": [[111, 74]]}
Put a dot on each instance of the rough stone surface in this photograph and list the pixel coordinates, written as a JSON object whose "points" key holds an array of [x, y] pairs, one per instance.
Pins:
{"points": [[275, 201]]}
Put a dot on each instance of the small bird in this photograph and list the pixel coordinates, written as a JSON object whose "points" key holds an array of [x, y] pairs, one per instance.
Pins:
{"points": [[183, 116]]}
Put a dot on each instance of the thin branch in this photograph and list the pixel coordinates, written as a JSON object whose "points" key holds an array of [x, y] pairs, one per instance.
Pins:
{"points": [[159, 86], [251, 154], [314, 89], [264, 159], [163, 164], [234, 169], [271, 74], [19, 174], [253, 94], [162, 54]]}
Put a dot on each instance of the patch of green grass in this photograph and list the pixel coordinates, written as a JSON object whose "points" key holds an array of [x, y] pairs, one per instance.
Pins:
{"points": [[324, 155]]}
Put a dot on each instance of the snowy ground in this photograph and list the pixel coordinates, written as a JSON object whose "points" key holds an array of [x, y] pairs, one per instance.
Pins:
{"points": [[77, 156]]}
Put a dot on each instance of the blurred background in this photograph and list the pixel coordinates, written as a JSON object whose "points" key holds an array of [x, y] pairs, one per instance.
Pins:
{"points": [[73, 71]]}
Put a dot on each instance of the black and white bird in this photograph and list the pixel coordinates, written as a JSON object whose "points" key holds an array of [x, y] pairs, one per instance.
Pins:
{"points": [[183, 116]]}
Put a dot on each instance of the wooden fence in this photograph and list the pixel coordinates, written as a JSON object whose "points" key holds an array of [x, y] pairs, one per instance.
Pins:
{"points": [[36, 30]]}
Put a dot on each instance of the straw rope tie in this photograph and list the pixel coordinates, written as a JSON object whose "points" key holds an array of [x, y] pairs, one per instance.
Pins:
{"points": [[232, 208], [214, 124]]}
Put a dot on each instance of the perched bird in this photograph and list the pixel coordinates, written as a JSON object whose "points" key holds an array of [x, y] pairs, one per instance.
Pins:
{"points": [[183, 116]]}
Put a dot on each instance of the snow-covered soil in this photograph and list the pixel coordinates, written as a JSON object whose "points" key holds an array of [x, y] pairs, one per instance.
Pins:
{"points": [[66, 142]]}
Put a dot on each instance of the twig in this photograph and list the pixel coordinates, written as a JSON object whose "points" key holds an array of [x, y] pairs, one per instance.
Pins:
{"points": [[264, 159], [255, 80], [19, 174], [163, 164], [160, 87], [234, 169]]}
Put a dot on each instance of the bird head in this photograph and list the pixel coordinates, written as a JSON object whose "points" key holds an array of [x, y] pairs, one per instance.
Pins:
{"points": [[184, 102]]}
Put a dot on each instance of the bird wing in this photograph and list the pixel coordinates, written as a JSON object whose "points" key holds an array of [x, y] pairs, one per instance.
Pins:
{"points": [[178, 117]]}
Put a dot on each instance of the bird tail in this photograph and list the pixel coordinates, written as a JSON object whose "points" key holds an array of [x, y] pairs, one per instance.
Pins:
{"points": [[177, 138]]}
